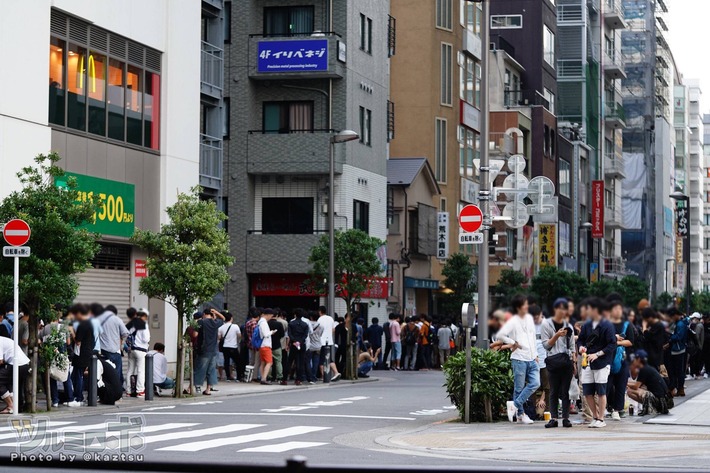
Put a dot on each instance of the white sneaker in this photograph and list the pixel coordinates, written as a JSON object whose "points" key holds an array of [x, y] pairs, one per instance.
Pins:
{"points": [[593, 424], [524, 419], [600, 424], [510, 405], [615, 416], [74, 404], [55, 404]]}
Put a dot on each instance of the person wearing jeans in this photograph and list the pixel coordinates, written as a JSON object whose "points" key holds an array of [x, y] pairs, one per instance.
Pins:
{"points": [[678, 346], [616, 386], [519, 333], [557, 338]]}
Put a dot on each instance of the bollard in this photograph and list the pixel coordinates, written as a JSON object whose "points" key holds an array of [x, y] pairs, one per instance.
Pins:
{"points": [[326, 364], [93, 381], [149, 377]]}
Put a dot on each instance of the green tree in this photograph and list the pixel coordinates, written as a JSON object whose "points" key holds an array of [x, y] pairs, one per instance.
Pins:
{"points": [[633, 289], [701, 302], [603, 287], [187, 261], [356, 266], [663, 300], [550, 283], [510, 283], [61, 246], [458, 277]]}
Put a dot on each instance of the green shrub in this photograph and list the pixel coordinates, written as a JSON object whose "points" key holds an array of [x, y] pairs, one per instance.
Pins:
{"points": [[491, 378]]}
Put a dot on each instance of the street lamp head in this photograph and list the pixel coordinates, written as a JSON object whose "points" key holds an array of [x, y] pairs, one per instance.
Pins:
{"points": [[344, 136], [678, 195], [586, 225]]}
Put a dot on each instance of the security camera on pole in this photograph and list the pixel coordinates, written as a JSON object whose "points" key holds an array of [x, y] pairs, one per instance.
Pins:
{"points": [[16, 233]]}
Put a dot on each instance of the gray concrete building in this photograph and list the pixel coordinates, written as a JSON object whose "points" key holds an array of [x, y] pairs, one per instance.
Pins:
{"points": [[296, 72]]}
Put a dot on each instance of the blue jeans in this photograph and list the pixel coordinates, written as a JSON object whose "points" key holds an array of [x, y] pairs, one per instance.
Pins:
{"points": [[68, 390], [117, 360], [169, 383], [365, 368], [77, 380], [312, 364], [526, 379], [206, 368]]}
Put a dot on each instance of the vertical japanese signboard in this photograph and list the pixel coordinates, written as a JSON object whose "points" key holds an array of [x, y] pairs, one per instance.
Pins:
{"points": [[547, 245], [597, 209], [442, 235]]}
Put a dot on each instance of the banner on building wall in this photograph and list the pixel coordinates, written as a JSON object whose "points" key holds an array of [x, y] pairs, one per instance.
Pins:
{"points": [[681, 218], [301, 285], [597, 209], [547, 245], [680, 277], [593, 272], [294, 55], [442, 235]]}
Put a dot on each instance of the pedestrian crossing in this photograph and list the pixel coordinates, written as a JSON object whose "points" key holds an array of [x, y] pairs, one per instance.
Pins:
{"points": [[170, 437]]}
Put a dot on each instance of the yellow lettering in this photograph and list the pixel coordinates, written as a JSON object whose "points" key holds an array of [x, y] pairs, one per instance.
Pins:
{"points": [[119, 209], [102, 214]]}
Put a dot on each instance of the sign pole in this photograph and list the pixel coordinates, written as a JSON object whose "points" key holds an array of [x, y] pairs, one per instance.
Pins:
{"points": [[16, 338], [467, 402]]}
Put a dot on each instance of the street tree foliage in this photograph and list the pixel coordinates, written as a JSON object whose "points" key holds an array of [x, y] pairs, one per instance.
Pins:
{"points": [[630, 288], [458, 278], [356, 266], [61, 245], [187, 260], [550, 283], [510, 283], [663, 301]]}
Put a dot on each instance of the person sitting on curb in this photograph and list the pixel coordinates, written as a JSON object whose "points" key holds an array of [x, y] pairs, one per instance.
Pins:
{"points": [[160, 369]]}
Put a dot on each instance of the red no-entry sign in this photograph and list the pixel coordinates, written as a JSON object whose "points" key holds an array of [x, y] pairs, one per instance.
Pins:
{"points": [[470, 218], [16, 232]]}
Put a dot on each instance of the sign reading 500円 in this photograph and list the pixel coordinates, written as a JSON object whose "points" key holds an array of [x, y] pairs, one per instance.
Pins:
{"points": [[116, 214]]}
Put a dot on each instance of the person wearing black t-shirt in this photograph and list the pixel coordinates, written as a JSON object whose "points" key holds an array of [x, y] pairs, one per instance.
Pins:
{"points": [[616, 387], [654, 337], [648, 388]]}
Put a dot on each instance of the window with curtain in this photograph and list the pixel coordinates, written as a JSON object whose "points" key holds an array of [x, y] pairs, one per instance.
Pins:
{"points": [[288, 117], [288, 21]]}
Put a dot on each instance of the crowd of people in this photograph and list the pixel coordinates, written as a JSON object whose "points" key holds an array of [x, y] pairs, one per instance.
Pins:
{"points": [[597, 358]]}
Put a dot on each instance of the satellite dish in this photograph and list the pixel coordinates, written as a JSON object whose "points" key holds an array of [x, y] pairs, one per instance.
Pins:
{"points": [[516, 214], [516, 163], [540, 188]]}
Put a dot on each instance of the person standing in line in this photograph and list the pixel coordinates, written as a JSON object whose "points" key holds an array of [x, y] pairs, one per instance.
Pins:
{"points": [[83, 350], [113, 334], [625, 340], [374, 337], [229, 335], [678, 344], [277, 373], [280, 317], [328, 325], [697, 333], [254, 358], [386, 363], [395, 337], [265, 354], [445, 341], [654, 337], [140, 344], [7, 362], [298, 331], [597, 343], [410, 337], [425, 342], [519, 332], [542, 395], [557, 338], [206, 365], [314, 348]]}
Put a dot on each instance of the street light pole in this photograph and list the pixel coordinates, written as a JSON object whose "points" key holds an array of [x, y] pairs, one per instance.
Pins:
{"points": [[341, 137], [678, 195]]}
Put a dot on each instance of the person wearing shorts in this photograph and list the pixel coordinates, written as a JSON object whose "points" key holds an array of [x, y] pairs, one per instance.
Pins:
{"points": [[597, 341], [265, 355], [396, 340]]}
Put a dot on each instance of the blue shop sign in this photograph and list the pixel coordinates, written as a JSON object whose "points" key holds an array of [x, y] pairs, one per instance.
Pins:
{"points": [[415, 283], [300, 55]]}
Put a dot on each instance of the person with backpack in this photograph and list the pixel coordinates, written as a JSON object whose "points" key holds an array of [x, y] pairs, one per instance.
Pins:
{"points": [[8, 320], [696, 342], [678, 346], [261, 341], [619, 372], [425, 342], [410, 336], [229, 335]]}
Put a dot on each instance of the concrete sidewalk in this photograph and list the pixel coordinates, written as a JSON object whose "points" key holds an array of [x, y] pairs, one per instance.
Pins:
{"points": [[626, 443]]}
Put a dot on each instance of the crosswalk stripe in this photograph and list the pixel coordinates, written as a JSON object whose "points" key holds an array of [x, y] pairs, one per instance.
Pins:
{"points": [[242, 439], [281, 447], [198, 433], [81, 428], [20, 424]]}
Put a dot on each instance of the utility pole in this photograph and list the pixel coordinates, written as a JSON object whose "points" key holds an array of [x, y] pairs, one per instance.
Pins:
{"points": [[484, 194]]}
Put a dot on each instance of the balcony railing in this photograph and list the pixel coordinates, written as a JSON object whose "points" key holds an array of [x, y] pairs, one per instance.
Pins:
{"points": [[613, 218], [615, 266], [613, 14], [570, 69], [210, 161], [614, 63], [614, 166], [523, 98], [212, 72], [570, 13], [615, 115]]}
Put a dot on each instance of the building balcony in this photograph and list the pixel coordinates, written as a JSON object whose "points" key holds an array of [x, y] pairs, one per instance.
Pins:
{"points": [[212, 71], [570, 14], [210, 162], [523, 98], [615, 115], [614, 166], [570, 69], [212, 7], [291, 153], [315, 56], [615, 266], [613, 15], [265, 252], [613, 219], [614, 64]]}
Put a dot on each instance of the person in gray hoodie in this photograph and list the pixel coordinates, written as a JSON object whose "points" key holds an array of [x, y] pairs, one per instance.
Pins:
{"points": [[557, 338]]}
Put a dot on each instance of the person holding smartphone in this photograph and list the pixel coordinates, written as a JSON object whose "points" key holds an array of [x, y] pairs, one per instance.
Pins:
{"points": [[558, 340], [616, 387]]}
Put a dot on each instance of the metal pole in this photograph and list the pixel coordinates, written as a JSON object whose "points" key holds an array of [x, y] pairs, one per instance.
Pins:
{"points": [[331, 229], [16, 339], [93, 380], [149, 377], [467, 401], [688, 289], [485, 188]]}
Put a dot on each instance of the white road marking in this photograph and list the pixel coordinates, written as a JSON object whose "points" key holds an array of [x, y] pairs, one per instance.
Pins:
{"points": [[78, 428], [33, 424], [204, 403], [264, 414], [242, 439], [281, 447], [451, 408], [289, 409], [354, 398], [160, 408], [326, 403], [427, 412], [200, 432]]}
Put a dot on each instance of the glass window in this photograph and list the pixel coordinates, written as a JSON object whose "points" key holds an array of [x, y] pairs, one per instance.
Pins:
{"points": [[468, 140], [288, 21], [503, 22], [467, 83], [365, 34], [361, 216], [365, 126], [57, 81], [116, 94], [446, 73], [76, 88], [565, 184], [287, 216], [550, 97], [440, 149], [548, 52], [288, 117], [444, 14], [151, 111], [96, 88], [227, 22], [565, 239], [134, 104], [471, 16], [226, 111]]}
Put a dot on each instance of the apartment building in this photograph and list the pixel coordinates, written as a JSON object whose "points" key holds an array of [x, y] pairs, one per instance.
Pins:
{"points": [[695, 183], [438, 108], [102, 78], [706, 192], [295, 72]]}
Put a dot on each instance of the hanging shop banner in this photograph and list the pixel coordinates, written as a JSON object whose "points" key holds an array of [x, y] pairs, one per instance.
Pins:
{"points": [[547, 245], [300, 285], [442, 235], [597, 209]]}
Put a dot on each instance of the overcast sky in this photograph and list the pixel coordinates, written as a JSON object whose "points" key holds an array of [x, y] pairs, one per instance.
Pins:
{"points": [[687, 32]]}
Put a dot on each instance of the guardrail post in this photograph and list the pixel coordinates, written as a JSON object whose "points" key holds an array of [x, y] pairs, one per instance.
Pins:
{"points": [[149, 377], [93, 381]]}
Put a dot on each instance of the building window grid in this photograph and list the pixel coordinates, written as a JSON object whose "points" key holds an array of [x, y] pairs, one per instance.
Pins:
{"points": [[365, 126], [444, 14], [365, 34], [506, 22], [361, 215], [548, 46], [446, 74], [440, 143], [565, 175]]}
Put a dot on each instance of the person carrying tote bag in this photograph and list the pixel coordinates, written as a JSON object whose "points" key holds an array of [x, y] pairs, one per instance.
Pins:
{"points": [[557, 338]]}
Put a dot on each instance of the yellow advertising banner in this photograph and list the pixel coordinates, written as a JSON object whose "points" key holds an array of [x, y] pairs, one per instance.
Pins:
{"points": [[547, 245]]}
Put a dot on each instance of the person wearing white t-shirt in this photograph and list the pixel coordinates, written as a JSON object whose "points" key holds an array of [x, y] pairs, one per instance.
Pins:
{"points": [[519, 331], [160, 368], [265, 354], [229, 335], [7, 360], [326, 340]]}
